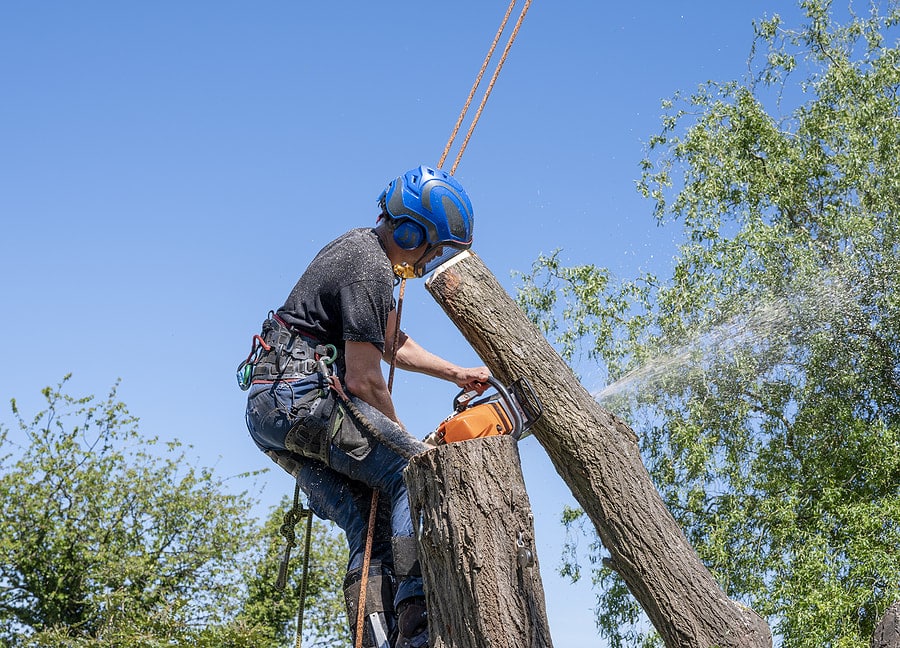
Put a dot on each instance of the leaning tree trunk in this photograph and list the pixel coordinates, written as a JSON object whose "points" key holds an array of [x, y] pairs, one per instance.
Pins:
{"points": [[598, 457], [476, 546]]}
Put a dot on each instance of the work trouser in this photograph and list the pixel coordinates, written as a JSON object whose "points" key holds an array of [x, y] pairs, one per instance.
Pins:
{"points": [[339, 484]]}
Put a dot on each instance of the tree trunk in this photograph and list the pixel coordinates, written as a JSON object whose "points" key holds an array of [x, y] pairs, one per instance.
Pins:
{"points": [[887, 634], [597, 455], [476, 546]]}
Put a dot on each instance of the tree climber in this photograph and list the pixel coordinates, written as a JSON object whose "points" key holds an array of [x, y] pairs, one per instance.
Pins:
{"points": [[340, 451]]}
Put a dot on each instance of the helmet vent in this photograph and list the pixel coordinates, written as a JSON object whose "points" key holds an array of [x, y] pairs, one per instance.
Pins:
{"points": [[455, 220]]}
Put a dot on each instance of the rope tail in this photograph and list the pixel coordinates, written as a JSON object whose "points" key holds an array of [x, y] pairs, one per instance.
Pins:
{"points": [[291, 518]]}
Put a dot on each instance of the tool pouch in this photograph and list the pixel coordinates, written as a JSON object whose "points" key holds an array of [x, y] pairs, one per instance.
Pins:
{"points": [[347, 435], [313, 417]]}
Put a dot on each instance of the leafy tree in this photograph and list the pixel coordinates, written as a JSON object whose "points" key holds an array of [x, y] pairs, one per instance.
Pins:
{"points": [[764, 374], [111, 538]]}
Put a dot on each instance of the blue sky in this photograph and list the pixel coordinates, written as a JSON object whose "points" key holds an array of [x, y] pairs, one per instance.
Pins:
{"points": [[167, 169]]}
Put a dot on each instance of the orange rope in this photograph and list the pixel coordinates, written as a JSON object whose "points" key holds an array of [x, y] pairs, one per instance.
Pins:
{"points": [[390, 384], [487, 92], [487, 59], [373, 509], [364, 581]]}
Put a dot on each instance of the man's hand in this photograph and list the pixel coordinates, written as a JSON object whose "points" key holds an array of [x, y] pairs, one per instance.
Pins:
{"points": [[472, 378]]}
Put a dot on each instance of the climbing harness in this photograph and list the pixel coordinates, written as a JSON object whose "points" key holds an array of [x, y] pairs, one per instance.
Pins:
{"points": [[282, 353], [264, 362]]}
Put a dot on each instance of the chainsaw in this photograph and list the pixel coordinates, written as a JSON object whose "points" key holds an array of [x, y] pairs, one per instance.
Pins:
{"points": [[509, 410]]}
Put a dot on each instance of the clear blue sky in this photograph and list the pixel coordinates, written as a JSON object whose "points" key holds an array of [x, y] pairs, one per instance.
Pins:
{"points": [[167, 169]]}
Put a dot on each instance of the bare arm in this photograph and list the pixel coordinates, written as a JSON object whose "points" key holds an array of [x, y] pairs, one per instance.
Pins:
{"points": [[413, 357], [365, 379]]}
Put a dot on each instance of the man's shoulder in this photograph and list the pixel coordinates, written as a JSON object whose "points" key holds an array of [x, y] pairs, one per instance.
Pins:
{"points": [[360, 238], [359, 256]]}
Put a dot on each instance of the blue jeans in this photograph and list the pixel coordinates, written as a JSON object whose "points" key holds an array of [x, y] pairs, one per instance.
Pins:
{"points": [[340, 489]]}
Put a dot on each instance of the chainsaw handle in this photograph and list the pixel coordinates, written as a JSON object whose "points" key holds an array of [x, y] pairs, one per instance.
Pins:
{"points": [[464, 398], [460, 404]]}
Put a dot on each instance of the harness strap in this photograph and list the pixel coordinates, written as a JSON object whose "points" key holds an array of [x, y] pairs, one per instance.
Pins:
{"points": [[285, 353]]}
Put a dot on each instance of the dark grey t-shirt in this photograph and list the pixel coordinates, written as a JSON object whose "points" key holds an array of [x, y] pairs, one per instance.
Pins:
{"points": [[346, 292]]}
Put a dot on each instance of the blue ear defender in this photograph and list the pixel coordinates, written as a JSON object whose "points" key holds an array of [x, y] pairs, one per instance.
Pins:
{"points": [[409, 235]]}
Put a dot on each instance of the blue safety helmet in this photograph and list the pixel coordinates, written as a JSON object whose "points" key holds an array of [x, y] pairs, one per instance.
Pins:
{"points": [[429, 206]]}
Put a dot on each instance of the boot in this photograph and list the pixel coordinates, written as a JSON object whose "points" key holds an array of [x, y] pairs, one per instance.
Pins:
{"points": [[412, 623]]}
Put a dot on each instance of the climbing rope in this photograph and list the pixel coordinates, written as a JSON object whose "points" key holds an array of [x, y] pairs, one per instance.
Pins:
{"points": [[490, 87], [487, 59], [390, 384], [373, 509], [291, 518], [364, 582]]}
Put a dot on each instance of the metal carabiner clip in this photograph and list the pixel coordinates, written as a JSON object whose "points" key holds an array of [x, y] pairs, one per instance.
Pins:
{"points": [[244, 373]]}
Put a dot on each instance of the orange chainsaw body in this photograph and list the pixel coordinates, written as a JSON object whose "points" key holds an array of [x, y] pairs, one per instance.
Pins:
{"points": [[510, 411], [487, 419]]}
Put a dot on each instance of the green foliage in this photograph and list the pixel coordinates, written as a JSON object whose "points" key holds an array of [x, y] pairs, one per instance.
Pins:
{"points": [[111, 539], [764, 375]]}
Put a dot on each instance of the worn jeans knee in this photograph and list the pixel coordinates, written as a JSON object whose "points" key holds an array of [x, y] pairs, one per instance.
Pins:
{"points": [[382, 469], [332, 496]]}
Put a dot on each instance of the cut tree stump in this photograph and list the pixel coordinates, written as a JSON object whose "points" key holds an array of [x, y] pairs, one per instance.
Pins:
{"points": [[597, 455], [475, 534]]}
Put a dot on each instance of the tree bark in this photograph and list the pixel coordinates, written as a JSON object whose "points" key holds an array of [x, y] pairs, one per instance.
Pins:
{"points": [[597, 455], [476, 546], [887, 634]]}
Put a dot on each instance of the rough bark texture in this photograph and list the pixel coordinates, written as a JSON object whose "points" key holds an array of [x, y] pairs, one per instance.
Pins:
{"points": [[887, 634], [476, 546], [597, 455]]}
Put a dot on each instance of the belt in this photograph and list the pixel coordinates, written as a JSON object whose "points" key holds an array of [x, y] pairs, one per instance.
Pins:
{"points": [[288, 354]]}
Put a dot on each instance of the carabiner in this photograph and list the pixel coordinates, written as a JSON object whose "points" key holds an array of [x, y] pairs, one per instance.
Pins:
{"points": [[244, 375], [328, 349]]}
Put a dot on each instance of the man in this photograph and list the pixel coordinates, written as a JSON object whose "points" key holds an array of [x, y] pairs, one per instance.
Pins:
{"points": [[341, 447]]}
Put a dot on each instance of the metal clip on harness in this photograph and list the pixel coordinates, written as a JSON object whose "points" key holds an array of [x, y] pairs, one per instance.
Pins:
{"points": [[244, 372], [324, 364]]}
